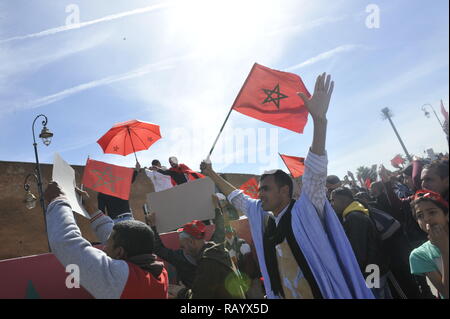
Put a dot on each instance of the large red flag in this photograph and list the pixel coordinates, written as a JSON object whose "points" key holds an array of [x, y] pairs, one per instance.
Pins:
{"points": [[295, 165], [250, 188], [108, 179], [271, 96]]}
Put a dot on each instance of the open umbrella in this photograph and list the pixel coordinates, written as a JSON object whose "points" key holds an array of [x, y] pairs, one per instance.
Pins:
{"points": [[129, 137]]}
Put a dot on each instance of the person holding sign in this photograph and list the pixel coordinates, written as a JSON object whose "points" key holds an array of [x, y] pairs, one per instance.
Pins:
{"points": [[126, 269]]}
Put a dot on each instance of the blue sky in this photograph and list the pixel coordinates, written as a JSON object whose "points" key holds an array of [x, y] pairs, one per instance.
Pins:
{"points": [[180, 64]]}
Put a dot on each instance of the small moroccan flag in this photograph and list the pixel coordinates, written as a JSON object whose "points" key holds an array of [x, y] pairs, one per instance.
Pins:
{"points": [[108, 179], [295, 165], [250, 188]]}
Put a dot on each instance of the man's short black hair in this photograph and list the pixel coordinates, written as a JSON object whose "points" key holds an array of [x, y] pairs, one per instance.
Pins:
{"points": [[135, 237], [440, 167], [343, 191], [281, 179], [155, 162], [333, 180]]}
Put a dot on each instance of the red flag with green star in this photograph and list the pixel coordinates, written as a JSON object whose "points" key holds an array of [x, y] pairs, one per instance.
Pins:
{"points": [[108, 179], [271, 96]]}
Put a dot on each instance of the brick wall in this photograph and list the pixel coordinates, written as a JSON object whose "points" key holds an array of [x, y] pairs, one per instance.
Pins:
{"points": [[22, 231]]}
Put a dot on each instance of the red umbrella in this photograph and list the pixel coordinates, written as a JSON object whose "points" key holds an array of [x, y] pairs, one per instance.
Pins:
{"points": [[129, 137]]}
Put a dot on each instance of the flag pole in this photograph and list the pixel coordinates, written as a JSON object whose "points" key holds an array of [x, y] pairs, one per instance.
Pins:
{"points": [[220, 132], [228, 115]]}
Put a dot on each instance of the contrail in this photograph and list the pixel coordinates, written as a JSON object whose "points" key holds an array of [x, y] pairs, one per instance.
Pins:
{"points": [[87, 23], [325, 55], [146, 69]]}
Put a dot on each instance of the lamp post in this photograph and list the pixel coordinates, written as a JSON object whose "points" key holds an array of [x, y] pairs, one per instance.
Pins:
{"points": [[427, 114], [46, 137], [387, 114]]}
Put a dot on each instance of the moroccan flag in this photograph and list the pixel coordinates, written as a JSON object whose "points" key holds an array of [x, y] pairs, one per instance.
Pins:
{"points": [[295, 165], [271, 96], [250, 188], [108, 179], [397, 160]]}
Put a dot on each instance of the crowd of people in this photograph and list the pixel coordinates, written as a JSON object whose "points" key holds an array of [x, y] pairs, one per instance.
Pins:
{"points": [[332, 239]]}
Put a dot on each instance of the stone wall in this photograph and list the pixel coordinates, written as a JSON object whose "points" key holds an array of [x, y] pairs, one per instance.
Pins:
{"points": [[22, 231]]}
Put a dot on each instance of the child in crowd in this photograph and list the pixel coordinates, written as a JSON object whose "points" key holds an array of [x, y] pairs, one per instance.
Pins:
{"points": [[431, 259]]}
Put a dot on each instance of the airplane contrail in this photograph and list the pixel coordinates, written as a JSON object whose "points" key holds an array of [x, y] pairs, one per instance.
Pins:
{"points": [[144, 70], [88, 23]]}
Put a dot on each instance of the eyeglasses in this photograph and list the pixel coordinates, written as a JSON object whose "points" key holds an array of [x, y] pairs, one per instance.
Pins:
{"points": [[424, 193]]}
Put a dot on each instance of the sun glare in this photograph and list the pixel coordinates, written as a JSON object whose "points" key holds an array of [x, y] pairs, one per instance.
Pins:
{"points": [[222, 26]]}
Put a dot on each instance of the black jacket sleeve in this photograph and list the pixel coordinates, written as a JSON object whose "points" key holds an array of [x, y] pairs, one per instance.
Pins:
{"points": [[357, 228], [175, 257]]}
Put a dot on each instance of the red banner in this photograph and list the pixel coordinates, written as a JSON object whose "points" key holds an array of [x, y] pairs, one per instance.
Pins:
{"points": [[295, 165], [271, 96], [108, 179], [250, 188]]}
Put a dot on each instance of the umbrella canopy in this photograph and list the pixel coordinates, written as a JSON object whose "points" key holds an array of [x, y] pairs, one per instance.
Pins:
{"points": [[129, 137]]}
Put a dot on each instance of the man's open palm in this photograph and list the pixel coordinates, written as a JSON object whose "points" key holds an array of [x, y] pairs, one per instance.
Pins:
{"points": [[318, 104]]}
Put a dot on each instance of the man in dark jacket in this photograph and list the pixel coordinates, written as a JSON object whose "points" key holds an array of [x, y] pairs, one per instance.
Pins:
{"points": [[363, 236], [216, 276], [185, 265]]}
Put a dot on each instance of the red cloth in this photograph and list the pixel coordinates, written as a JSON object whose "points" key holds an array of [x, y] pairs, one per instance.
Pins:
{"points": [[184, 169], [108, 179], [368, 182], [295, 165], [250, 188], [271, 96], [142, 285], [396, 161]]}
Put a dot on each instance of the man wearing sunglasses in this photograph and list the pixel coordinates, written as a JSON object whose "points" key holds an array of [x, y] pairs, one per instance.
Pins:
{"points": [[301, 247]]}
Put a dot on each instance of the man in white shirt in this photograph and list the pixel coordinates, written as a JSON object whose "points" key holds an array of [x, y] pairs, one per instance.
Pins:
{"points": [[301, 247]]}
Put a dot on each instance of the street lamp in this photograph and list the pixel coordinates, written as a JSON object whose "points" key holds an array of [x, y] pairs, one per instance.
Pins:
{"points": [[30, 200], [46, 137], [427, 114]]}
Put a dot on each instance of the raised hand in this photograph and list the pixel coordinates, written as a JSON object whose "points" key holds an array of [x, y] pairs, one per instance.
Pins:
{"points": [[318, 104], [53, 191], [206, 167], [150, 219], [89, 200]]}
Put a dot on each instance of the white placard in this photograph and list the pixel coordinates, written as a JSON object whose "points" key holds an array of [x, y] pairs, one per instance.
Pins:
{"points": [[183, 203], [64, 175]]}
